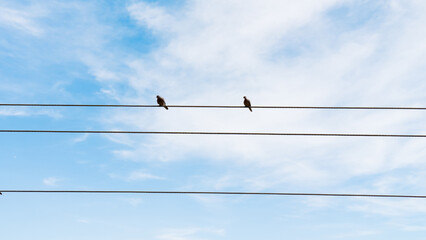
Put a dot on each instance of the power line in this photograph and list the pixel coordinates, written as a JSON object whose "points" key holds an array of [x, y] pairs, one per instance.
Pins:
{"points": [[219, 133], [219, 193], [208, 106]]}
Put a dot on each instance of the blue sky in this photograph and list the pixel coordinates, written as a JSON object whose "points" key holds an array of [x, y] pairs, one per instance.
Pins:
{"points": [[306, 52]]}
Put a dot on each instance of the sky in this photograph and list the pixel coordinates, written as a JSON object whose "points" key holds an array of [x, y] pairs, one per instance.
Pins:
{"points": [[275, 52]]}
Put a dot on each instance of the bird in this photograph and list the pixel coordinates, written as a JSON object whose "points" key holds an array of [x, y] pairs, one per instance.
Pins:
{"points": [[247, 103], [161, 102], [1, 193]]}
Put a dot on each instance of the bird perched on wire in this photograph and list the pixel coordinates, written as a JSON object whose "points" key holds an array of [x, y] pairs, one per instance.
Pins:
{"points": [[161, 102], [247, 103]]}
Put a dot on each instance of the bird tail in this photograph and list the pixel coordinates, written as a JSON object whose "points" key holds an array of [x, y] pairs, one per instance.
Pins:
{"points": [[250, 109], [166, 107]]}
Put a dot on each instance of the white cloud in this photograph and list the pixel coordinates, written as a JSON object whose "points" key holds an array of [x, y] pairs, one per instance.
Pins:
{"points": [[13, 112], [23, 20], [392, 207], [134, 201], [81, 138], [84, 221], [414, 228], [151, 16], [357, 234], [276, 53], [51, 181], [403, 183], [217, 53], [25, 112], [141, 175], [188, 233], [137, 175]]}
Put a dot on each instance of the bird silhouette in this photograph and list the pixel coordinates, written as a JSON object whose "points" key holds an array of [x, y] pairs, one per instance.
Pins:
{"points": [[247, 103], [1, 193], [161, 102]]}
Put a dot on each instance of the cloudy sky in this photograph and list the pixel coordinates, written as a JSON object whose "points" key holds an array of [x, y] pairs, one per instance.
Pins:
{"points": [[212, 52]]}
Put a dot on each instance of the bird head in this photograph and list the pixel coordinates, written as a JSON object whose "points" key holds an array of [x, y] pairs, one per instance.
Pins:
{"points": [[244, 97], [158, 96]]}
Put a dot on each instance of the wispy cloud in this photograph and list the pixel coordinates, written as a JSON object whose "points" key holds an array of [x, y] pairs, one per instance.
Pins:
{"points": [[238, 49], [414, 228], [153, 17], [133, 201], [13, 112], [26, 112], [391, 207], [137, 175], [141, 175], [51, 181], [23, 20], [357, 234], [82, 220], [189, 233], [274, 52], [81, 139]]}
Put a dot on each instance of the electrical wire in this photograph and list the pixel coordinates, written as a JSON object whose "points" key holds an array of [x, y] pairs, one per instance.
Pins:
{"points": [[219, 193], [218, 133], [208, 106]]}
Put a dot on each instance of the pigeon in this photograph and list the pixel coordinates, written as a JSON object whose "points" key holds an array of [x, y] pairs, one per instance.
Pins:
{"points": [[247, 103], [161, 102]]}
